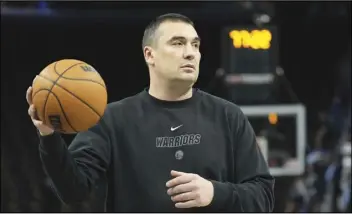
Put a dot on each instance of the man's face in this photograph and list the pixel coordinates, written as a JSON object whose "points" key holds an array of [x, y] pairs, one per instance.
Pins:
{"points": [[175, 54]]}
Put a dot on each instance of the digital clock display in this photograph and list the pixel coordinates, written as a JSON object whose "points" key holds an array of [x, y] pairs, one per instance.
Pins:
{"points": [[249, 49], [255, 39]]}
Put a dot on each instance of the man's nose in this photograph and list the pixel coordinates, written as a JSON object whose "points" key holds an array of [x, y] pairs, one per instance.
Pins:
{"points": [[189, 52]]}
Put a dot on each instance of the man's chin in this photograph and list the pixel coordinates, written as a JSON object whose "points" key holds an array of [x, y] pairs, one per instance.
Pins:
{"points": [[186, 79]]}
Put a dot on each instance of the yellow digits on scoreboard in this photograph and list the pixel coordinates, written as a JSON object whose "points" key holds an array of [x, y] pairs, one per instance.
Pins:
{"points": [[256, 39]]}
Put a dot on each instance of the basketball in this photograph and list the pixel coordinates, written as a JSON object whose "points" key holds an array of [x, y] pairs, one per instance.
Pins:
{"points": [[69, 95]]}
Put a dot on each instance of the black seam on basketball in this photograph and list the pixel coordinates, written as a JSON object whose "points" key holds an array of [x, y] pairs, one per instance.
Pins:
{"points": [[54, 82], [46, 99], [42, 88], [62, 109], [74, 96], [77, 78], [78, 63], [86, 80]]}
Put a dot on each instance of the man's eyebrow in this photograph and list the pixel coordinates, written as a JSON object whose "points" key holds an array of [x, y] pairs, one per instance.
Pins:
{"points": [[177, 38], [196, 39]]}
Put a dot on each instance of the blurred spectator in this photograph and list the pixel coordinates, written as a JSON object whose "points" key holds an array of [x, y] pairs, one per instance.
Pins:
{"points": [[341, 108]]}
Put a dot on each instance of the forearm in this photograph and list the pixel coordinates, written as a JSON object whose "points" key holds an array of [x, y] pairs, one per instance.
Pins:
{"points": [[252, 189], [69, 182], [255, 195]]}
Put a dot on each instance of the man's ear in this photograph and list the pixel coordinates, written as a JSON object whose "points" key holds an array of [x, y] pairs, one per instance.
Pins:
{"points": [[148, 55]]}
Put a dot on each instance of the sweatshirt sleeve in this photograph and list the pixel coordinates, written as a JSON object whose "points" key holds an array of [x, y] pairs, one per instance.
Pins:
{"points": [[253, 189], [74, 170]]}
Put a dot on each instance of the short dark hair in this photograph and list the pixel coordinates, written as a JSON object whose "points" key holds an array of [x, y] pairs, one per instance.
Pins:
{"points": [[149, 32]]}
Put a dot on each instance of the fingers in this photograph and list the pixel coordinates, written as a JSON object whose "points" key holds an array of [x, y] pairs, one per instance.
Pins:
{"points": [[184, 178], [189, 190], [31, 111], [187, 204], [43, 129], [186, 196], [29, 95], [33, 115], [182, 188]]}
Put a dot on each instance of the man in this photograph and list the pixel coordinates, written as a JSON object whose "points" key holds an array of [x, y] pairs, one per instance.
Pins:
{"points": [[170, 148]]}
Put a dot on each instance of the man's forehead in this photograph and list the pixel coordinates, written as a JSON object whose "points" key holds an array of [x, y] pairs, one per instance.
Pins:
{"points": [[169, 30]]}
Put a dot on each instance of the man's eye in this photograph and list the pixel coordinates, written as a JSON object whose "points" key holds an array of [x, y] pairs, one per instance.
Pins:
{"points": [[177, 43]]}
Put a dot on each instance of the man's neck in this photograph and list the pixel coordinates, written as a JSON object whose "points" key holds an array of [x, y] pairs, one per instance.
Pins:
{"points": [[170, 93]]}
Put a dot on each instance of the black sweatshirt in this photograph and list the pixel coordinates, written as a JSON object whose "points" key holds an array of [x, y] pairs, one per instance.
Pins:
{"points": [[140, 139]]}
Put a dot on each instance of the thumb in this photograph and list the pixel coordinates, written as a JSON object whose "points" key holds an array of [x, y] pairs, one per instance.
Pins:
{"points": [[177, 173], [37, 123]]}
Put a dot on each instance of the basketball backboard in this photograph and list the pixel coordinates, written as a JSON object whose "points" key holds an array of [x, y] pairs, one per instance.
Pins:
{"points": [[281, 135]]}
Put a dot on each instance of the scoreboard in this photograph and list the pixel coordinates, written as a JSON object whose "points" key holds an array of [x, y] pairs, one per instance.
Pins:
{"points": [[249, 57], [249, 49]]}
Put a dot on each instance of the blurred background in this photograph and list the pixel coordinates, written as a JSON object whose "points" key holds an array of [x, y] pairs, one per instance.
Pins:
{"points": [[286, 64]]}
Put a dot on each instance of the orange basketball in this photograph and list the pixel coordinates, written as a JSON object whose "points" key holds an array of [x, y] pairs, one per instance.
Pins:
{"points": [[69, 95]]}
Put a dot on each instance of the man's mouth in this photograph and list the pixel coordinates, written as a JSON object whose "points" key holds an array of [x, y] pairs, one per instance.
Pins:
{"points": [[188, 66]]}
